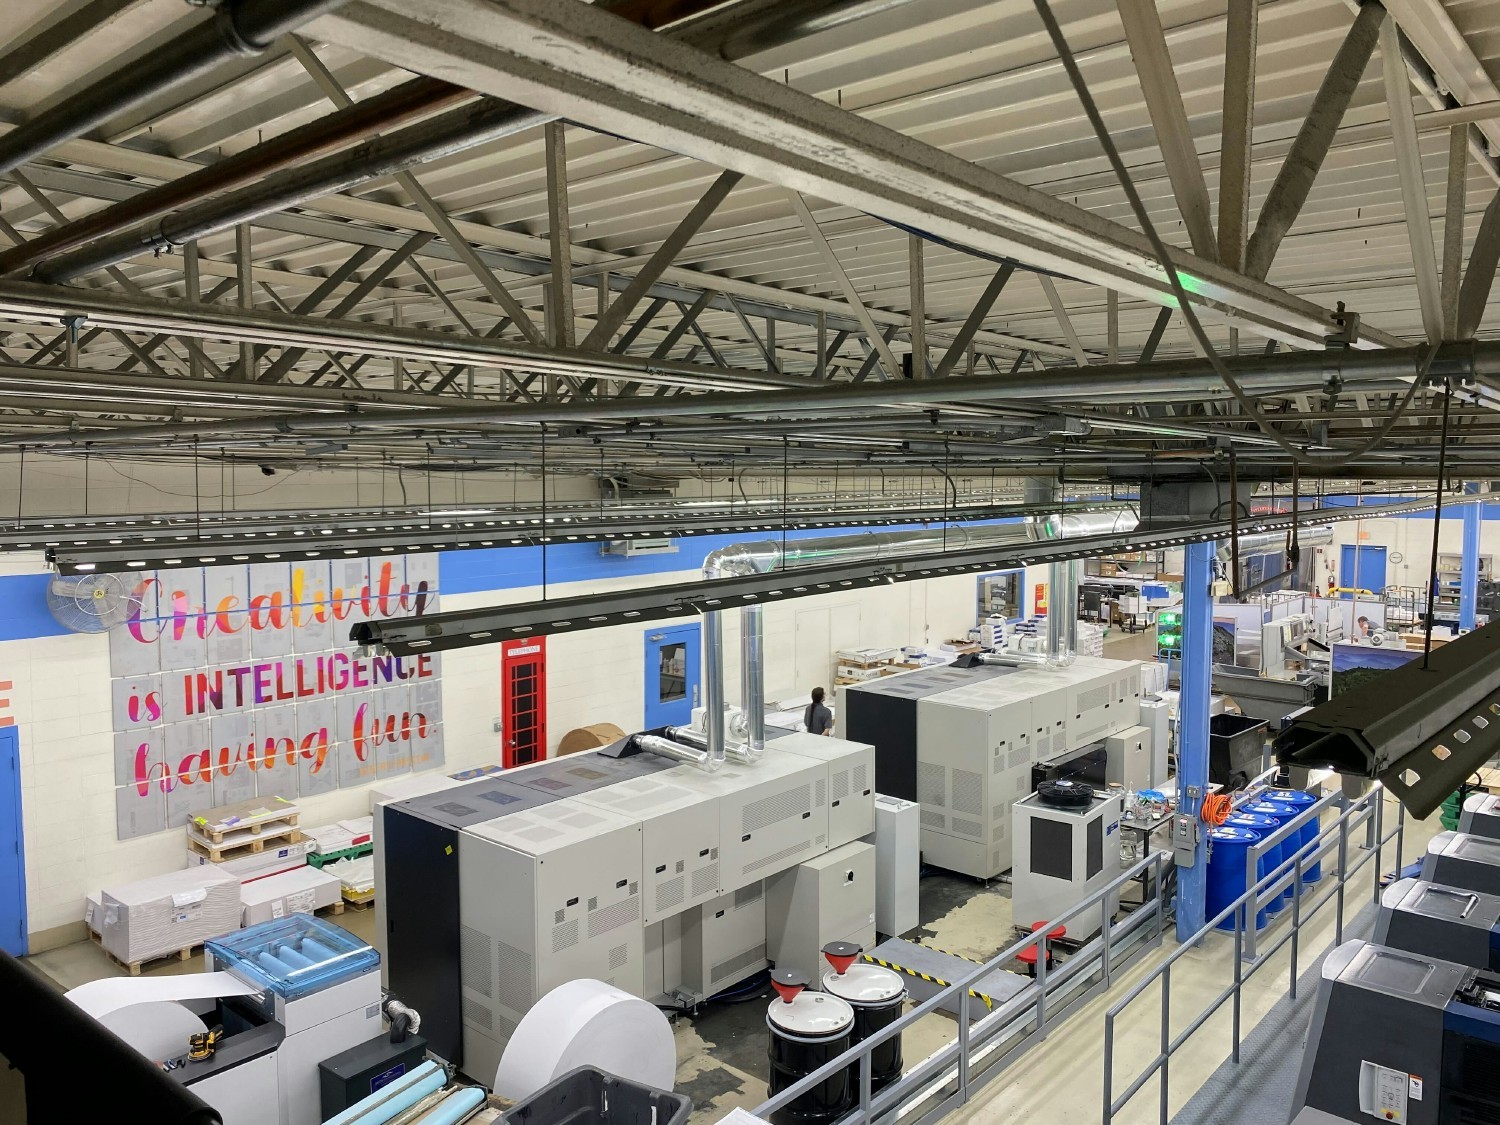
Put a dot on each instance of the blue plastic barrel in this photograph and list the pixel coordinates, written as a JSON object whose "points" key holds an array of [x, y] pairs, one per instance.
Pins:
{"points": [[1301, 802], [1280, 814], [1227, 851], [1263, 825]]}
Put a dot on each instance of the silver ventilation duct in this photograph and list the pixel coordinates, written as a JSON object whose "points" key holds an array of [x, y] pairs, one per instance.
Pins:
{"points": [[671, 748], [766, 555]]}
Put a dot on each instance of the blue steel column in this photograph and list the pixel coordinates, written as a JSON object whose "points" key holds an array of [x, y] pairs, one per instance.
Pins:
{"points": [[1192, 727], [1468, 578]]}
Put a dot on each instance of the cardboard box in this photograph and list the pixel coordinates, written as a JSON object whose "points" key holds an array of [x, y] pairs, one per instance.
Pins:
{"points": [[168, 913], [292, 892]]}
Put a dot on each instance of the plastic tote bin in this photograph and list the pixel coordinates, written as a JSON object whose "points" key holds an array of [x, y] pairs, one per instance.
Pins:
{"points": [[1236, 748], [587, 1096]]}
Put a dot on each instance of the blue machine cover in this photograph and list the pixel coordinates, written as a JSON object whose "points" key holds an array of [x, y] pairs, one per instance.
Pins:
{"points": [[294, 956]]}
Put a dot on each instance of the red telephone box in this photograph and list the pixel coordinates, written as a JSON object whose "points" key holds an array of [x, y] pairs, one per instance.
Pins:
{"points": [[523, 701]]}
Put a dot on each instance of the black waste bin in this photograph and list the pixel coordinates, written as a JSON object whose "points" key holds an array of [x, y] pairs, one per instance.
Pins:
{"points": [[1236, 749], [588, 1096]]}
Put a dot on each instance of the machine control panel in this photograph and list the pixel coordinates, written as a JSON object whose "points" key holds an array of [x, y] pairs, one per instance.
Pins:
{"points": [[1185, 840]]}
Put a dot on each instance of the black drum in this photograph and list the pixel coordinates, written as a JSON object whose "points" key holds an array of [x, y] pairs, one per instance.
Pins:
{"points": [[808, 1030], [878, 997]]}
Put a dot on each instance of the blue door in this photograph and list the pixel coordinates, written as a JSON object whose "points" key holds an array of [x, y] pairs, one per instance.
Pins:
{"points": [[12, 853], [1362, 568], [671, 675]]}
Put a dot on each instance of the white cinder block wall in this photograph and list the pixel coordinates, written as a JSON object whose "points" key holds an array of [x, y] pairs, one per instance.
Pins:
{"points": [[61, 704]]}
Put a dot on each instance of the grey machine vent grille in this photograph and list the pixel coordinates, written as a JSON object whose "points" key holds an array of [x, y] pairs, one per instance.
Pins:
{"points": [[967, 827], [730, 971], [474, 963], [840, 785], [1023, 784], [785, 853], [933, 819], [565, 936], [618, 956], [680, 866], [997, 762], [748, 894], [932, 784], [594, 902], [514, 988], [861, 778], [669, 894], [478, 1014], [602, 921], [774, 809], [1095, 697], [822, 793], [705, 880], [1020, 756], [504, 1028], [558, 917], [968, 793]]}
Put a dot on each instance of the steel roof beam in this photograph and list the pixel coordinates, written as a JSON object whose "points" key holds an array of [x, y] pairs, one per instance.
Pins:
{"points": [[1413, 184], [1300, 168], [1174, 136], [575, 61]]}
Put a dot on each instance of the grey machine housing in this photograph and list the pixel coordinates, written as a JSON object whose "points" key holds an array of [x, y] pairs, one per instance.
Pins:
{"points": [[1378, 1006], [1452, 923], [1457, 859], [1481, 815]]}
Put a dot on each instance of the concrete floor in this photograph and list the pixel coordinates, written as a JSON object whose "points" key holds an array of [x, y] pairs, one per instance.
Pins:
{"points": [[722, 1048]]}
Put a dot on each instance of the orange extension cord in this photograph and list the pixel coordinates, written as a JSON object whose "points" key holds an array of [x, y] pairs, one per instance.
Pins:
{"points": [[1216, 809]]}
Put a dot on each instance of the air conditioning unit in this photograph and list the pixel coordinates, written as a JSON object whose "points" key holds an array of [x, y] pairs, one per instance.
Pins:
{"points": [[630, 548]]}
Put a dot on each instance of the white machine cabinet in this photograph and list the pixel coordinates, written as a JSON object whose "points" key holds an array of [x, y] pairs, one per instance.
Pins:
{"points": [[1155, 713], [828, 898], [547, 895], [771, 815], [1129, 758], [898, 865], [1062, 856], [724, 941], [679, 841], [851, 782]]}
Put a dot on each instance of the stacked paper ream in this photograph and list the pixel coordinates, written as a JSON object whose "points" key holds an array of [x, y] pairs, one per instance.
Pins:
{"points": [[167, 913], [357, 875], [359, 828], [1090, 639], [257, 865], [329, 838], [292, 892]]}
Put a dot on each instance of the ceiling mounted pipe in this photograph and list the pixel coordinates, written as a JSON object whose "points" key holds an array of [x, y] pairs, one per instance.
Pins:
{"points": [[233, 29]]}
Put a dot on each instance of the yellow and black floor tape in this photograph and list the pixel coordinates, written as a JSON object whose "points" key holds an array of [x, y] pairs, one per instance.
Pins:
{"points": [[989, 1003]]}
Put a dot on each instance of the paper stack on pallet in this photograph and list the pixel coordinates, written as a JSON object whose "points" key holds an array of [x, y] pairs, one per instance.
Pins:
{"points": [[357, 877], [271, 860], [171, 913], [301, 891]]}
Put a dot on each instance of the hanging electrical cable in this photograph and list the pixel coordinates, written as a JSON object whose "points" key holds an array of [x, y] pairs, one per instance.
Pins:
{"points": [[1148, 228]]}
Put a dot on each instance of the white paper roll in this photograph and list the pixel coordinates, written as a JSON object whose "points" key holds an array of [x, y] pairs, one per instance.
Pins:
{"points": [[588, 1023], [158, 1029], [99, 997]]}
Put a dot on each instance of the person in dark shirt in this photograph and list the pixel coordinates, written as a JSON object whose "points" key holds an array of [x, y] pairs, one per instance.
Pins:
{"points": [[818, 718]]}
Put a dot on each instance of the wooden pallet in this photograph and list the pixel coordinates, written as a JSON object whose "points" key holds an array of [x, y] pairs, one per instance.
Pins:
{"points": [[134, 967], [249, 844], [359, 900], [332, 910], [270, 826]]}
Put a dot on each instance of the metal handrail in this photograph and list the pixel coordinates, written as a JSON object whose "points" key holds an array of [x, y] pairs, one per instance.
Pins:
{"points": [[1367, 810], [938, 1067]]}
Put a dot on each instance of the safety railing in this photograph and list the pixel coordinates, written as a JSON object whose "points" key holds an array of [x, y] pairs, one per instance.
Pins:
{"points": [[985, 1047], [1332, 839]]}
